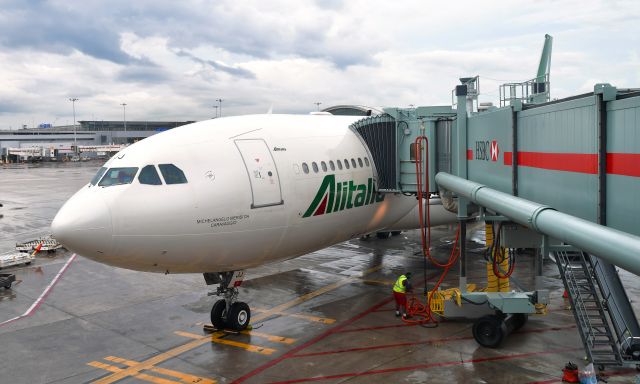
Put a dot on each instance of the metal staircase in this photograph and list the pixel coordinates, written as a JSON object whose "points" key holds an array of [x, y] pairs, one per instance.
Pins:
{"points": [[601, 313]]}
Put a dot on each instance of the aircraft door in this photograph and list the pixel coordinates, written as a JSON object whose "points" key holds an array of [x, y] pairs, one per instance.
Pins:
{"points": [[262, 172]]}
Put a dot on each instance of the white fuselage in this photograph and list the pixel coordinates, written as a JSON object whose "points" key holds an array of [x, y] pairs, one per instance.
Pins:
{"points": [[247, 201]]}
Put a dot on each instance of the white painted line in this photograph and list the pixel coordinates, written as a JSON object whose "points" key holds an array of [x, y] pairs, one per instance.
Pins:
{"points": [[44, 294]]}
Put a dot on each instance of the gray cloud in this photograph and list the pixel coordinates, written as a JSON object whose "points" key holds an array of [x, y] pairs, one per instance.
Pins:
{"points": [[257, 30], [235, 71], [143, 74]]}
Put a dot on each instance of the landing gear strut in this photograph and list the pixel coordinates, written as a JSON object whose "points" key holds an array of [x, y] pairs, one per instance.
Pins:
{"points": [[227, 312]]}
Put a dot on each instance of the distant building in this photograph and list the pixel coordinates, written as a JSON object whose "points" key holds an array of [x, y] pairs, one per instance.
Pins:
{"points": [[60, 139]]}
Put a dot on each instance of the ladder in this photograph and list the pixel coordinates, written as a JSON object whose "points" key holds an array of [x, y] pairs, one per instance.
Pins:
{"points": [[592, 317]]}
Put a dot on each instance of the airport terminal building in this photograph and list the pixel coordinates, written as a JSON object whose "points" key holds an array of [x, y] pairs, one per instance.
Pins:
{"points": [[57, 142]]}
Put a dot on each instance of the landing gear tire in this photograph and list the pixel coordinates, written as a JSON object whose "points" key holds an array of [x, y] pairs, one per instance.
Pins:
{"points": [[489, 331], [519, 320], [217, 314], [383, 235], [395, 233], [239, 316]]}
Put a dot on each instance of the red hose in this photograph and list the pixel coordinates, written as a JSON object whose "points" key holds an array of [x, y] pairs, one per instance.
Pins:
{"points": [[421, 313]]}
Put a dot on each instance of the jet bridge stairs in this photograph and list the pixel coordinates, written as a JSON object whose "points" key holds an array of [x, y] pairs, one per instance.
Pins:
{"points": [[603, 313]]}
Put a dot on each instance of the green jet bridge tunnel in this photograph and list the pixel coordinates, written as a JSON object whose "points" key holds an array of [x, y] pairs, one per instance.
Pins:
{"points": [[564, 175]]}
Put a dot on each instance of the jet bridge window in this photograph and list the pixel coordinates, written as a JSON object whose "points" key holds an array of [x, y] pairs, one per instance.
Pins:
{"points": [[118, 176], [149, 176], [172, 174], [98, 175]]}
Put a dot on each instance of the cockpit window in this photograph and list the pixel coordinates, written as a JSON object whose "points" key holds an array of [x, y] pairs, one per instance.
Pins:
{"points": [[98, 175], [172, 174], [117, 176], [149, 175]]}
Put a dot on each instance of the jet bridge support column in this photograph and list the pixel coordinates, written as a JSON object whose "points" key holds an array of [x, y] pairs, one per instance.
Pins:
{"points": [[462, 239]]}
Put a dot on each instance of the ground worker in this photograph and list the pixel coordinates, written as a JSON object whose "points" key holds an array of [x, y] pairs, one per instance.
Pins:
{"points": [[400, 289]]}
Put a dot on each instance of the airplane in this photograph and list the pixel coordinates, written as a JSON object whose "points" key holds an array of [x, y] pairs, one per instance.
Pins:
{"points": [[224, 195]]}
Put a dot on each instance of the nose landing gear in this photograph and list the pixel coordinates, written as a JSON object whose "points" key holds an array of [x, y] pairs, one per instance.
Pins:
{"points": [[227, 313]]}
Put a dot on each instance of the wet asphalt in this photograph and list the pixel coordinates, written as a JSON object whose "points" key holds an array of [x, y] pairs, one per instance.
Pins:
{"points": [[324, 317]]}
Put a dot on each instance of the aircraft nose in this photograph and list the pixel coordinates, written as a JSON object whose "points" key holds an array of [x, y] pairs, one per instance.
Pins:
{"points": [[83, 225]]}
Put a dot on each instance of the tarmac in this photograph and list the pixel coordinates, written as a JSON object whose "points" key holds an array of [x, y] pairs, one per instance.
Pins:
{"points": [[325, 317]]}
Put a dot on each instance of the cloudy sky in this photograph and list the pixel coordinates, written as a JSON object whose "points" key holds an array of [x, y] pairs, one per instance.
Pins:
{"points": [[170, 60]]}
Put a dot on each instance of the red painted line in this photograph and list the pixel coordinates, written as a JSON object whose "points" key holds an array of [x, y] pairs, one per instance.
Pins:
{"points": [[469, 154], [311, 342], [423, 342], [508, 158], [36, 304], [568, 162], [426, 366], [625, 164], [378, 327]]}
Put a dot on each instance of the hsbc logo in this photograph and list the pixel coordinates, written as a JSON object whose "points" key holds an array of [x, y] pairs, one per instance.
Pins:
{"points": [[495, 151], [487, 150]]}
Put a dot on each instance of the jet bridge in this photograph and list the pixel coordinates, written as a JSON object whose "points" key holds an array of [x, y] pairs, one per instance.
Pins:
{"points": [[568, 169]]}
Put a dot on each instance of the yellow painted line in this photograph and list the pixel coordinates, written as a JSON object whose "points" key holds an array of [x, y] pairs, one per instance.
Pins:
{"points": [[184, 377], [149, 363], [248, 347], [141, 376], [273, 338], [189, 335], [324, 320], [380, 282]]}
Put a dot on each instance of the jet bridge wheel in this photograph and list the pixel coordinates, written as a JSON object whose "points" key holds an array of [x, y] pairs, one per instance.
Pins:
{"points": [[217, 314], [489, 331], [519, 320]]}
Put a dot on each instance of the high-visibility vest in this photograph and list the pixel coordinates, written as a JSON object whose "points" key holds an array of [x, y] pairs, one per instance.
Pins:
{"points": [[398, 286]]}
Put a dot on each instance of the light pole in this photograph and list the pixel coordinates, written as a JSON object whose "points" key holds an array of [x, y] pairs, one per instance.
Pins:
{"points": [[124, 118], [75, 141], [216, 108], [220, 103], [317, 103]]}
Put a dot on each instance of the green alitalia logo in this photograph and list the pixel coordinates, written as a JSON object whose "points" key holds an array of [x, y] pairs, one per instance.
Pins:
{"points": [[334, 197]]}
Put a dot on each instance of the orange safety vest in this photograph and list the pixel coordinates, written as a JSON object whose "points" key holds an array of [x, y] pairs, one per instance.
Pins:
{"points": [[398, 286]]}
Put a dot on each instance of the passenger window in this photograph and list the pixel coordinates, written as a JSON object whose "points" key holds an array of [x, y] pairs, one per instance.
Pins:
{"points": [[360, 162], [172, 174], [366, 161], [305, 168], [118, 176], [339, 165], [346, 163], [149, 175], [332, 165], [315, 167], [98, 176], [353, 162], [324, 166]]}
